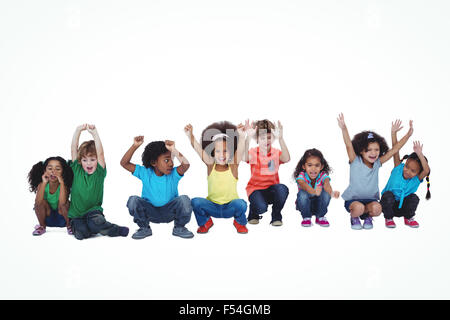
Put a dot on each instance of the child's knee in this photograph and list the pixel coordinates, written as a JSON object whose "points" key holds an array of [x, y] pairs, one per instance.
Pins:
{"points": [[356, 209], [303, 197], [133, 202], [375, 209], [240, 205]]}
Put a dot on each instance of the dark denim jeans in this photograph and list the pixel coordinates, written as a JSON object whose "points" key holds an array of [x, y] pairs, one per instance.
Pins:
{"points": [[92, 223], [178, 210], [204, 209], [309, 204], [275, 195], [391, 209]]}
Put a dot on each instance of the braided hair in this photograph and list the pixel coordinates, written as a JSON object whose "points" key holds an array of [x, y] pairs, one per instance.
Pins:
{"points": [[36, 172], [415, 157]]}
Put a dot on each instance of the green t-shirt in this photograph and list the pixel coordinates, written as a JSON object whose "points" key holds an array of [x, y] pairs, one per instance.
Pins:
{"points": [[87, 190], [52, 199]]}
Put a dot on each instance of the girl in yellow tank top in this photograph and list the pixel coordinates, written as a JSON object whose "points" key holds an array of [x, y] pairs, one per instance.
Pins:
{"points": [[221, 149]]}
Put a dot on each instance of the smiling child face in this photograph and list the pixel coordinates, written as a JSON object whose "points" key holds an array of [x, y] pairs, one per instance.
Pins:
{"points": [[221, 154], [89, 163], [53, 170], [411, 169], [313, 167], [164, 164], [372, 153]]}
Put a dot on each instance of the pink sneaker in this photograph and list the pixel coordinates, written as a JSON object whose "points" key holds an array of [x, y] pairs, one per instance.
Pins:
{"points": [[390, 223], [38, 230], [411, 223], [306, 222], [322, 222]]}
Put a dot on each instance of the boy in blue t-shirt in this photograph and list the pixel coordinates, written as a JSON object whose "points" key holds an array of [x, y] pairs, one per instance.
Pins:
{"points": [[160, 202]]}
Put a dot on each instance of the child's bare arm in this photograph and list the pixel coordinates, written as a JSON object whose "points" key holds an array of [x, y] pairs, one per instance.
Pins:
{"points": [[348, 142], [63, 196], [250, 134], [197, 147], [396, 127], [184, 163], [426, 168], [285, 156], [41, 190], [306, 187], [329, 189], [396, 148], [76, 140], [125, 162], [98, 145], [241, 144]]}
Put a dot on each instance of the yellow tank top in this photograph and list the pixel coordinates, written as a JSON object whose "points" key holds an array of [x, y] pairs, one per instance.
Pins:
{"points": [[222, 186]]}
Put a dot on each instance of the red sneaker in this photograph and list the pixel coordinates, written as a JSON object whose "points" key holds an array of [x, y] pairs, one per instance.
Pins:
{"points": [[205, 228], [390, 223], [240, 228], [411, 223]]}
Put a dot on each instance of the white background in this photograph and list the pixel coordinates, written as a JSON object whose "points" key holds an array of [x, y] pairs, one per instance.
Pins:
{"points": [[150, 67]]}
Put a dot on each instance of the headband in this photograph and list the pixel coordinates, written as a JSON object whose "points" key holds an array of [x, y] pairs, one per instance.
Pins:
{"points": [[219, 135]]}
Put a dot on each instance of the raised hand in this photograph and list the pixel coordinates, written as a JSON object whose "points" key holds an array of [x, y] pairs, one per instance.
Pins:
{"points": [[250, 129], [279, 130], [170, 145], [241, 130], [188, 130], [396, 126], [411, 129], [418, 147], [82, 127], [91, 128], [341, 121], [138, 141]]}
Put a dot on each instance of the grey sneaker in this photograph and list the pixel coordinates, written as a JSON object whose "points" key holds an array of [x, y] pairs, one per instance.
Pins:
{"points": [[253, 221], [182, 232], [277, 223], [142, 233]]}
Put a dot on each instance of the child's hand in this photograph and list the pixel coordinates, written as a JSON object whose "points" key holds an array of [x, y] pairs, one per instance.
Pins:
{"points": [[170, 145], [45, 178], [318, 191], [396, 126], [341, 121], [188, 130], [82, 127], [250, 129], [241, 130], [418, 148], [91, 128], [138, 141], [335, 194], [59, 177], [411, 129], [279, 130]]}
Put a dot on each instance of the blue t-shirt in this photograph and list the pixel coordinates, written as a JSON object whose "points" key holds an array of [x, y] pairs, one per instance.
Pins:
{"points": [[400, 186], [363, 181], [158, 190]]}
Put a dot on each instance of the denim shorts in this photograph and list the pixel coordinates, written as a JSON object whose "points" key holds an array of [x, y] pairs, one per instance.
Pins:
{"points": [[363, 201], [55, 219]]}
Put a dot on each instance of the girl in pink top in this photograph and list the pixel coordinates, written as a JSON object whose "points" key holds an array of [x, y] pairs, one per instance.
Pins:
{"points": [[264, 187]]}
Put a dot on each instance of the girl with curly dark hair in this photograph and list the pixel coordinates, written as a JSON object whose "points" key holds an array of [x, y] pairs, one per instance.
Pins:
{"points": [[314, 188], [366, 152], [221, 148], [51, 180], [398, 197]]}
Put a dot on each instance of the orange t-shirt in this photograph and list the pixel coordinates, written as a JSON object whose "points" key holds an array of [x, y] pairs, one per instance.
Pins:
{"points": [[264, 169]]}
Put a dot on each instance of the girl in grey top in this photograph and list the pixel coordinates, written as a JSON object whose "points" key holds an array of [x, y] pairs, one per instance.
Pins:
{"points": [[366, 153]]}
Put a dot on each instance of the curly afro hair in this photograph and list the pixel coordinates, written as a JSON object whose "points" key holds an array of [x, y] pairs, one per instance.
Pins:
{"points": [[311, 153], [36, 172], [222, 127], [152, 151], [362, 140]]}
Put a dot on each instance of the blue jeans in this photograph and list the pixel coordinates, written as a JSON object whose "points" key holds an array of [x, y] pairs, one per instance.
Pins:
{"points": [[309, 204], [275, 195], [178, 210], [204, 209], [92, 223]]}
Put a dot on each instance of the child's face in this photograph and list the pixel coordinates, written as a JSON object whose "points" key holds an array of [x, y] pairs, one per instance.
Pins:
{"points": [[164, 164], [89, 163], [313, 167], [411, 169], [265, 141], [372, 152], [53, 170], [221, 154]]}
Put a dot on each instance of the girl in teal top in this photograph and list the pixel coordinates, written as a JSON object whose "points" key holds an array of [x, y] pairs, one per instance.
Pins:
{"points": [[398, 197], [51, 180]]}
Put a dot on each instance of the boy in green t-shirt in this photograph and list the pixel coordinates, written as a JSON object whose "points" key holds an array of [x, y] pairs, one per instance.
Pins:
{"points": [[89, 172]]}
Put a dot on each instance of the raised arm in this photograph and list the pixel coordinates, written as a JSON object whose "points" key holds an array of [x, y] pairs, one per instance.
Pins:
{"points": [[348, 142], [396, 148], [396, 127], [285, 156], [251, 132], [197, 147], [126, 159], [426, 169], [98, 144], [76, 140], [184, 163], [239, 155]]}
